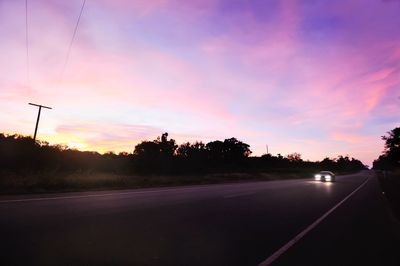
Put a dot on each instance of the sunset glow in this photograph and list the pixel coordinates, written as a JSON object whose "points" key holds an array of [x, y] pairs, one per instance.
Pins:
{"points": [[321, 78]]}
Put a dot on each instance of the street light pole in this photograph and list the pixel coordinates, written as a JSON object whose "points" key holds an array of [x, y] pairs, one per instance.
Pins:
{"points": [[38, 117]]}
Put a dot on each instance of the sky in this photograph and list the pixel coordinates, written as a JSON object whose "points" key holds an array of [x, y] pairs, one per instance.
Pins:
{"points": [[317, 77]]}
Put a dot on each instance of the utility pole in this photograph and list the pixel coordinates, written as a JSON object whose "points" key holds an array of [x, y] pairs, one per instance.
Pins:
{"points": [[38, 117], [267, 149]]}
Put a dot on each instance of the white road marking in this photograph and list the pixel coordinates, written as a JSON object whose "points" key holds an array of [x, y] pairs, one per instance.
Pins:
{"points": [[239, 195], [95, 195], [194, 187], [293, 241]]}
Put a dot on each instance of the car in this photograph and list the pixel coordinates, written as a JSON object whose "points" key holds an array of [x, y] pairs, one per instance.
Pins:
{"points": [[325, 176]]}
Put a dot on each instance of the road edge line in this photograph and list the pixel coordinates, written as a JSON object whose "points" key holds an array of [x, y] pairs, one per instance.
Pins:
{"points": [[93, 195], [299, 236]]}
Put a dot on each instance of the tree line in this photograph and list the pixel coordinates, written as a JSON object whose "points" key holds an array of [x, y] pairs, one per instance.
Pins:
{"points": [[390, 157], [160, 156]]}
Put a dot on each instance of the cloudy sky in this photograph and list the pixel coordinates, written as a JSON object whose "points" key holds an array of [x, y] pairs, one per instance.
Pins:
{"points": [[317, 77]]}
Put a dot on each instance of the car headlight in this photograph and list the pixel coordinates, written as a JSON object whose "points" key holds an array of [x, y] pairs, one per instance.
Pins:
{"points": [[328, 178], [317, 177]]}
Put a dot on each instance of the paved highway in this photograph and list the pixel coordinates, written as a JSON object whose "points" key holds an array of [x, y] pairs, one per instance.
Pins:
{"points": [[291, 222]]}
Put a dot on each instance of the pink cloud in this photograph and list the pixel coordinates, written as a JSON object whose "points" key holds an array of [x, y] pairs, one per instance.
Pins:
{"points": [[351, 138], [327, 71]]}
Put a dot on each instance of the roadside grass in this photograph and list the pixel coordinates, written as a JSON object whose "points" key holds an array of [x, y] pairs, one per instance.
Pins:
{"points": [[14, 183], [55, 181], [390, 184]]}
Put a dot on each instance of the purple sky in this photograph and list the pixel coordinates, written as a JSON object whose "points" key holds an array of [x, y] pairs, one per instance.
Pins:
{"points": [[321, 78]]}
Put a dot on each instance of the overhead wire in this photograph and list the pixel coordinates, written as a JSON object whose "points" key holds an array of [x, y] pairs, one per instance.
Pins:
{"points": [[28, 79], [27, 50], [71, 42]]}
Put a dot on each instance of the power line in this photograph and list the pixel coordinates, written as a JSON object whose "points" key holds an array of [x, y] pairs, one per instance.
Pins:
{"points": [[28, 80], [72, 41]]}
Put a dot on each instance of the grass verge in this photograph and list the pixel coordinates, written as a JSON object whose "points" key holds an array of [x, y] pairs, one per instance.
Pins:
{"points": [[390, 184], [12, 183]]}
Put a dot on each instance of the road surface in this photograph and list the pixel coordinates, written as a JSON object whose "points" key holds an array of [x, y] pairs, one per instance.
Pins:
{"points": [[230, 224]]}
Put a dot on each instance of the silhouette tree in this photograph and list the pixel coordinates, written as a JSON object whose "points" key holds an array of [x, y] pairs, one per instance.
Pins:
{"points": [[156, 156], [196, 150], [294, 157], [167, 147], [391, 154], [392, 142], [228, 150], [147, 149], [163, 156], [215, 150], [327, 163], [234, 149], [392, 147]]}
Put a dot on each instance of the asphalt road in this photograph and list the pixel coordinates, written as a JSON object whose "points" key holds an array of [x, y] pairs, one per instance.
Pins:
{"points": [[230, 224]]}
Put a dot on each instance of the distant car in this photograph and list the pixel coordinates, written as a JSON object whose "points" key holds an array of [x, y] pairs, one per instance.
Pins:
{"points": [[326, 176]]}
